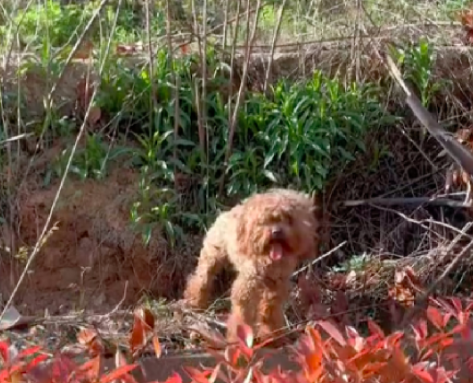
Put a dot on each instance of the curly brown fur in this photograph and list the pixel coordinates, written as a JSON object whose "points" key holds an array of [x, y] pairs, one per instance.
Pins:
{"points": [[264, 238]]}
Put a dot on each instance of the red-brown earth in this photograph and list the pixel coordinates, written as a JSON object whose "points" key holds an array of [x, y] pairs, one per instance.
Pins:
{"points": [[88, 260]]}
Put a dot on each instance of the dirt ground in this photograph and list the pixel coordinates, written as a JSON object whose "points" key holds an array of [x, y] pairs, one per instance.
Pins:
{"points": [[87, 261]]}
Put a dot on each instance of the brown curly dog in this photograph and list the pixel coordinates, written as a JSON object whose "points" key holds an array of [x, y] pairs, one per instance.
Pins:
{"points": [[264, 238]]}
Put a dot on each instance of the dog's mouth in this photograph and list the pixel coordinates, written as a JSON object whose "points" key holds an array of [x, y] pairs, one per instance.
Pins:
{"points": [[276, 251]]}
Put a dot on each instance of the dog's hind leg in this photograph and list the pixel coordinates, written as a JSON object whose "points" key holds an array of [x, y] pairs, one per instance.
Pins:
{"points": [[199, 285]]}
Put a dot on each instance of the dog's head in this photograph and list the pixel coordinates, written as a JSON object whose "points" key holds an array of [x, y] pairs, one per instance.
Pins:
{"points": [[277, 225]]}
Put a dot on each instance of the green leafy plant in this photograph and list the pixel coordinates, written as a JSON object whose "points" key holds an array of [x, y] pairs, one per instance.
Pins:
{"points": [[418, 60], [298, 136], [49, 23], [90, 161], [306, 131]]}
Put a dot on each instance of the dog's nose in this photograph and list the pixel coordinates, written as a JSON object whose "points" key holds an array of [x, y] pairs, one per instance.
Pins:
{"points": [[277, 233]]}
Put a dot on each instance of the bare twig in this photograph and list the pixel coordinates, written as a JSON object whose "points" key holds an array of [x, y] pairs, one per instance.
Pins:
{"points": [[355, 51], [241, 91], [273, 44], [416, 201], [118, 305], [322, 257], [232, 60], [203, 58], [198, 98], [16, 138], [225, 24], [153, 102]]}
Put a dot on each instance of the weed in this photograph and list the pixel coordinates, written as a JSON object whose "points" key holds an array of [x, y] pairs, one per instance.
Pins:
{"points": [[48, 24], [418, 60], [91, 160]]}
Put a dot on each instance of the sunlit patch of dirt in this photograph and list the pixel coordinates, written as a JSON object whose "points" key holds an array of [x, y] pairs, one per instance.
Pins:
{"points": [[87, 261]]}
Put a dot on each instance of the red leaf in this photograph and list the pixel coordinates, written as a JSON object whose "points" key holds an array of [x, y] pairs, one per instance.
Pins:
{"points": [[62, 367], [427, 354], [333, 332], [4, 351], [437, 338], [4, 375], [36, 361], [446, 319], [143, 324], [423, 375], [28, 352], [351, 332], [394, 339], [157, 347], [466, 332], [118, 373], [435, 317], [146, 316], [310, 354], [195, 374], [215, 373], [457, 304], [174, 378], [420, 330], [444, 343], [91, 368], [375, 329], [232, 354], [245, 334]]}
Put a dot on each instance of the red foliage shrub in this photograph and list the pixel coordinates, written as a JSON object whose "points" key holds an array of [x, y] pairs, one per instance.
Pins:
{"points": [[433, 350]]}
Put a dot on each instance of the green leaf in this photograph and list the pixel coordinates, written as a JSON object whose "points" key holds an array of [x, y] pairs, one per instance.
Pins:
{"points": [[347, 155], [270, 175]]}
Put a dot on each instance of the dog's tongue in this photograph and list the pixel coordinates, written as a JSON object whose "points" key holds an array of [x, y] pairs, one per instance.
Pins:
{"points": [[276, 252]]}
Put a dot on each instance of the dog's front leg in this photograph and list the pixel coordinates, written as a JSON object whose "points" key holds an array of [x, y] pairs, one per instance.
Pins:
{"points": [[271, 311], [245, 296]]}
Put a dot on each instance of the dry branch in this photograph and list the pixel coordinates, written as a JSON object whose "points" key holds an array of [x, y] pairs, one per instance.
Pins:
{"points": [[457, 151], [416, 201]]}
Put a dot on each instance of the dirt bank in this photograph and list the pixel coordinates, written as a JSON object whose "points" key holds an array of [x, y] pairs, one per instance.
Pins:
{"points": [[93, 252]]}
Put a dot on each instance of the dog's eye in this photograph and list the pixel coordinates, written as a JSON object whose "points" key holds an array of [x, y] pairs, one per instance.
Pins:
{"points": [[289, 220]]}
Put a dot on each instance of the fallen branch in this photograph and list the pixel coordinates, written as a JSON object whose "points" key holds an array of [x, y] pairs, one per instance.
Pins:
{"points": [[461, 155], [416, 201]]}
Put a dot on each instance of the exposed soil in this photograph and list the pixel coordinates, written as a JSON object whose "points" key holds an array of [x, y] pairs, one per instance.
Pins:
{"points": [[87, 261]]}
